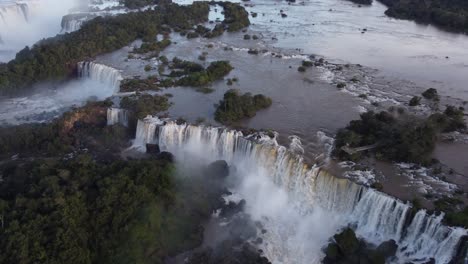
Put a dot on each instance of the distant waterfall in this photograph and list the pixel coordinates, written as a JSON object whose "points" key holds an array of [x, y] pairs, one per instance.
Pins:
{"points": [[12, 13], [117, 116], [376, 216], [73, 22], [101, 73]]}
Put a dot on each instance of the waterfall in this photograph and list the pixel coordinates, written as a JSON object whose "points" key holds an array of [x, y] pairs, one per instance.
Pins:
{"points": [[117, 116], [12, 13], [73, 22], [305, 198], [101, 73]]}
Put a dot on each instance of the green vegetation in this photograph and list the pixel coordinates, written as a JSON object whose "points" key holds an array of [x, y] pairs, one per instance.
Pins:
{"points": [[145, 104], [406, 138], [134, 4], [84, 127], [193, 74], [431, 94], [416, 100], [68, 197], [83, 211], [235, 106], [153, 46], [396, 139], [139, 85], [451, 15], [56, 58], [235, 16], [450, 120], [455, 213]]}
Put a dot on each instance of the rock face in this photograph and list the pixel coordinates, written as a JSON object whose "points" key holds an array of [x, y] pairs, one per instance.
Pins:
{"points": [[346, 248], [167, 156], [152, 149], [388, 248], [218, 169]]}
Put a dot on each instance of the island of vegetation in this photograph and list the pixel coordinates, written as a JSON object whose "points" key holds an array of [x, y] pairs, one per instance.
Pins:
{"points": [[397, 137], [236, 106], [450, 15], [56, 58]]}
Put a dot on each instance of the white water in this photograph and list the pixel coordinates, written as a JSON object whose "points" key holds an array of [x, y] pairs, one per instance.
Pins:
{"points": [[97, 82], [74, 22], [302, 207], [23, 23], [101, 73], [117, 116]]}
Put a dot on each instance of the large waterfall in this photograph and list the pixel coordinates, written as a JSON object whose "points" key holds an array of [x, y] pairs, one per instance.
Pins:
{"points": [[302, 206], [101, 73]]}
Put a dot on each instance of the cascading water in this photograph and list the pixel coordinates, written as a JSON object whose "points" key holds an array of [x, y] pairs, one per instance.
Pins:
{"points": [[101, 73], [117, 116], [73, 22], [302, 207], [12, 13]]}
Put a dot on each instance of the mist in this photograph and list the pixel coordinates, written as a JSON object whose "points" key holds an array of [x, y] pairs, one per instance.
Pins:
{"points": [[26, 23], [46, 103]]}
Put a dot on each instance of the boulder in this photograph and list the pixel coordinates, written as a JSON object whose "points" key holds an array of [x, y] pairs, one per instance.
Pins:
{"points": [[347, 241], [387, 249], [219, 169], [167, 156], [152, 149]]}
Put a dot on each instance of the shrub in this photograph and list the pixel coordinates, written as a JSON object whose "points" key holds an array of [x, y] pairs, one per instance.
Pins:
{"points": [[408, 139], [145, 104], [235, 106], [415, 101], [431, 94]]}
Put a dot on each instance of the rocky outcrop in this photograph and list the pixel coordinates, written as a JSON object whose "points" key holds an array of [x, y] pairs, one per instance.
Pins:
{"points": [[346, 248]]}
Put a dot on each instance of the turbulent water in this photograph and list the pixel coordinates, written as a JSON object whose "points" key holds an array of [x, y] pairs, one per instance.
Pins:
{"points": [[302, 206]]}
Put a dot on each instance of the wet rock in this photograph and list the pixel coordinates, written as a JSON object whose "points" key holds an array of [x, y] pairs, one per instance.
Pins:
{"points": [[430, 261], [167, 156], [232, 208], [219, 169], [152, 149], [283, 15], [387, 249], [347, 241]]}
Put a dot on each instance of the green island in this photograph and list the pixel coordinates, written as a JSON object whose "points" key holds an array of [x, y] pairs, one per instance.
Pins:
{"points": [[236, 106]]}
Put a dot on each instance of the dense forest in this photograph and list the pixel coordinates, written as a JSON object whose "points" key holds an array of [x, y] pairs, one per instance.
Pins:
{"points": [[68, 196], [397, 136], [236, 106], [449, 14]]}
